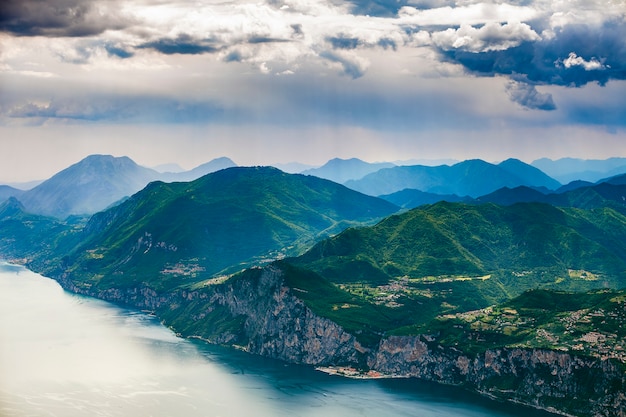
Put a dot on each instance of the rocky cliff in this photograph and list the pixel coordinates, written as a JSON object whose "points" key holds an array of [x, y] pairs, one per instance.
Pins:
{"points": [[256, 311], [556, 381]]}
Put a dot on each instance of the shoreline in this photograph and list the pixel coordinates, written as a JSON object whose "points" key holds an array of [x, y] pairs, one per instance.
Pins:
{"points": [[350, 372]]}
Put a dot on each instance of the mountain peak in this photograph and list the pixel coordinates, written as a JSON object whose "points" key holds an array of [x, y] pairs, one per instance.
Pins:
{"points": [[343, 170], [87, 186]]}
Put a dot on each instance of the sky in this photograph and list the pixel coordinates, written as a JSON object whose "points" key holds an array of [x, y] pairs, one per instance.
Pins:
{"points": [[272, 81]]}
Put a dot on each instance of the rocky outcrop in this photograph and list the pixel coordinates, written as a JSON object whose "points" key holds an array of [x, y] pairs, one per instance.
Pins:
{"points": [[555, 381]]}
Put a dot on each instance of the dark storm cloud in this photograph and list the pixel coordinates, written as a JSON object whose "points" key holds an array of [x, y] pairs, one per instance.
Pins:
{"points": [[347, 42], [120, 109], [343, 42], [113, 50], [182, 44], [265, 39], [351, 67], [575, 56], [527, 96], [382, 8], [185, 44], [72, 18]]}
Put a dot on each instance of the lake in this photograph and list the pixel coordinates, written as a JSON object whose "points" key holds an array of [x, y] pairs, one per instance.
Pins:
{"points": [[66, 355]]}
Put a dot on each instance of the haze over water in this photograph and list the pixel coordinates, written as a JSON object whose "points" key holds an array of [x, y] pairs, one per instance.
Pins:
{"points": [[66, 355]]}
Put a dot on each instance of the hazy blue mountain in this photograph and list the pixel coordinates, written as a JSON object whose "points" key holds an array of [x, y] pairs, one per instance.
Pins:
{"points": [[342, 170], [469, 178], [573, 185], [409, 198], [171, 168], [529, 174], [7, 191], [24, 186], [589, 197], [427, 162], [88, 186], [567, 170], [199, 171], [507, 196], [616, 180], [293, 167]]}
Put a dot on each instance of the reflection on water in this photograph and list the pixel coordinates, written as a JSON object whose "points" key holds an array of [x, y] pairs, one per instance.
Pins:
{"points": [[66, 355]]}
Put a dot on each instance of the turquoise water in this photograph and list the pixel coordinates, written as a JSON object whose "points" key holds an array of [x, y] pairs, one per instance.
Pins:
{"points": [[65, 355]]}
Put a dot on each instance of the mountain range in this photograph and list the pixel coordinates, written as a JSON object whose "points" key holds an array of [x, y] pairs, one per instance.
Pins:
{"points": [[567, 170], [219, 223], [95, 183], [468, 178], [342, 170], [519, 300], [100, 181], [593, 196]]}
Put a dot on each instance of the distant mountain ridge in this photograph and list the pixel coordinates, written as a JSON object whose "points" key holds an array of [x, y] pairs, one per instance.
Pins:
{"points": [[567, 170], [611, 193], [468, 178], [97, 182], [342, 170], [88, 186], [7, 191], [199, 171]]}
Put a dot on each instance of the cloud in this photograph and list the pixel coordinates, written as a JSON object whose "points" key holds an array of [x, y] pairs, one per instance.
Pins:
{"points": [[343, 42], [490, 37], [527, 96], [530, 42], [182, 44], [574, 60], [73, 18], [352, 65], [549, 60], [141, 109]]}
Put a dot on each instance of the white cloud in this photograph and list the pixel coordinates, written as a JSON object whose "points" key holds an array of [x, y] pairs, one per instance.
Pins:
{"points": [[490, 37], [473, 14], [574, 60]]}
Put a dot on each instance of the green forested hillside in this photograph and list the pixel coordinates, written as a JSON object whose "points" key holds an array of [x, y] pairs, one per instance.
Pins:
{"points": [[172, 234], [449, 258]]}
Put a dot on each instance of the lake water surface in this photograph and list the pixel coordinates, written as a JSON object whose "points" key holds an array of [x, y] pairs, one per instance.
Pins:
{"points": [[66, 355]]}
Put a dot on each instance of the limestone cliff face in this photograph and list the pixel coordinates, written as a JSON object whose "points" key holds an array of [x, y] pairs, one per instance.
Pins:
{"points": [[552, 380], [264, 316], [279, 325]]}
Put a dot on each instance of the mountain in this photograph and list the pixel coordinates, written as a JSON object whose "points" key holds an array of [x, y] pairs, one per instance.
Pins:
{"points": [[8, 191], [409, 198], [591, 196], [293, 167], [98, 181], [508, 196], [199, 171], [437, 293], [453, 257], [342, 170], [168, 234], [26, 237], [171, 167], [616, 180], [573, 185], [529, 174], [88, 186], [472, 178], [567, 170]]}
